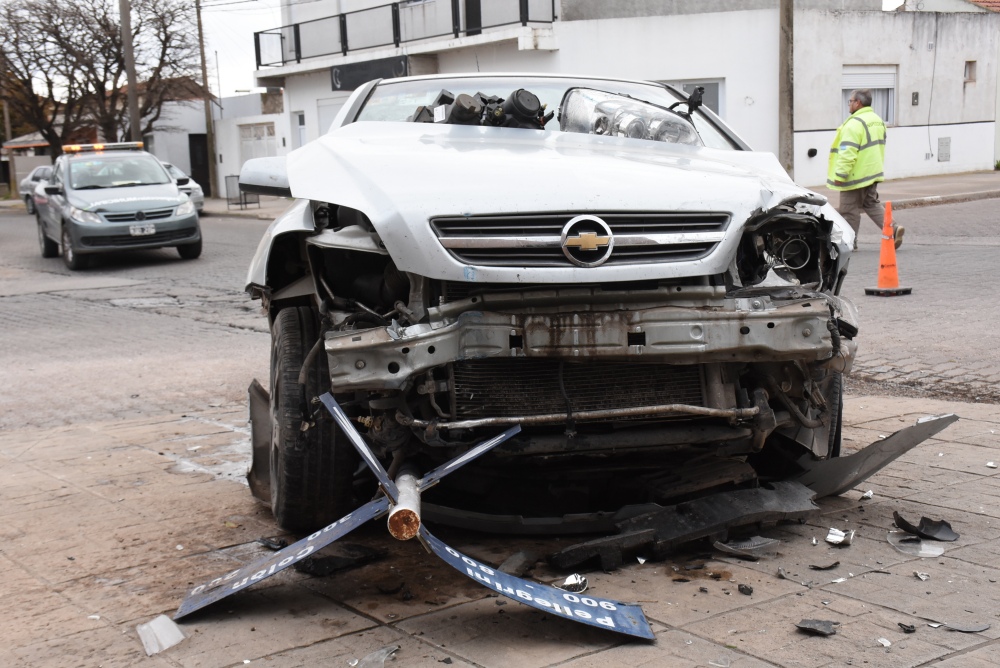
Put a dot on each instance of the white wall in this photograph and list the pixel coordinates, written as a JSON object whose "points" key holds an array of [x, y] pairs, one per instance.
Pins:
{"points": [[948, 106], [661, 48], [306, 93], [170, 140], [227, 142]]}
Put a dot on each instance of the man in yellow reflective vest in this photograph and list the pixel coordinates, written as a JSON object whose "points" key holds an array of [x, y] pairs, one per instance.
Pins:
{"points": [[855, 167]]}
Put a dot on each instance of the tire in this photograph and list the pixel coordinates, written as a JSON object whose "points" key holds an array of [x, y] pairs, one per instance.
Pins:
{"points": [[312, 470], [190, 251], [29, 204], [73, 260], [48, 247]]}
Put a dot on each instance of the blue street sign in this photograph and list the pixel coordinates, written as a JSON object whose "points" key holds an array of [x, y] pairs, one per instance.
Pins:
{"points": [[599, 612]]}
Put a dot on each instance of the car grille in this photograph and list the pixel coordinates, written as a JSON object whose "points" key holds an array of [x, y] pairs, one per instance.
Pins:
{"points": [[521, 387], [534, 240], [154, 214], [129, 240]]}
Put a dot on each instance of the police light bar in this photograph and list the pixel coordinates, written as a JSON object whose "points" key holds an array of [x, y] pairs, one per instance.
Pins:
{"points": [[118, 146]]}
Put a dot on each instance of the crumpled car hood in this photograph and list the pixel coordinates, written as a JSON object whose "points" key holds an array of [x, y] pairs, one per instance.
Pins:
{"points": [[402, 174]]}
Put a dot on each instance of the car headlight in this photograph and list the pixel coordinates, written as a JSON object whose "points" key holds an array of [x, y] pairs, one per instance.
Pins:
{"points": [[196, 190], [85, 217], [186, 209], [595, 112]]}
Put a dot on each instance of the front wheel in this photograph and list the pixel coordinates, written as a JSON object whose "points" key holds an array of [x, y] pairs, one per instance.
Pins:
{"points": [[73, 260], [311, 470], [190, 251], [48, 247], [29, 204]]}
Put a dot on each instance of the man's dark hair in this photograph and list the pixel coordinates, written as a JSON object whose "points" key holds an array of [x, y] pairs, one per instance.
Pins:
{"points": [[863, 95]]}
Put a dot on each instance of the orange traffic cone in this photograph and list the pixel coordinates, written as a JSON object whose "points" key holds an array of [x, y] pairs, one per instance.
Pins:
{"points": [[888, 276]]}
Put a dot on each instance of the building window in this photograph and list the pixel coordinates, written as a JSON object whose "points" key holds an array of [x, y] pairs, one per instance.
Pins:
{"points": [[970, 71], [880, 80]]}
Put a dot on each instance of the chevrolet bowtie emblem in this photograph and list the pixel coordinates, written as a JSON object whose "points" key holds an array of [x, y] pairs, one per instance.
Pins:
{"points": [[588, 241]]}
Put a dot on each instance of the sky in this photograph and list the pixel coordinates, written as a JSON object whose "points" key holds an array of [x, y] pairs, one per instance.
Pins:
{"points": [[229, 26]]}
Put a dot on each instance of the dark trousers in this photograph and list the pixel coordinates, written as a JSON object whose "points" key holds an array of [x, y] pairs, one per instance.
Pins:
{"points": [[853, 202]]}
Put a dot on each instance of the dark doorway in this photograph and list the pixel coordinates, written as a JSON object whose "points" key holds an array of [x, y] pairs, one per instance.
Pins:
{"points": [[473, 17], [198, 152]]}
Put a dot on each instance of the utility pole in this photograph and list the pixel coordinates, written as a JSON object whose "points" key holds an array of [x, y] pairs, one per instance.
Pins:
{"points": [[125, 9], [209, 131], [786, 97], [6, 129]]}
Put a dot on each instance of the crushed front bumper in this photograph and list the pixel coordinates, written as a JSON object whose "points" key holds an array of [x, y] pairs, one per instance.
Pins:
{"points": [[744, 330]]}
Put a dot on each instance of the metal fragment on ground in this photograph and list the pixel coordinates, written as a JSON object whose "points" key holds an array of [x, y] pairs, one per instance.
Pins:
{"points": [[966, 628], [907, 543], [991, 465], [824, 567], [575, 584], [829, 477], [884, 642], [661, 531], [817, 627], [752, 548], [922, 576], [868, 495], [907, 628], [159, 634], [838, 537], [927, 528]]}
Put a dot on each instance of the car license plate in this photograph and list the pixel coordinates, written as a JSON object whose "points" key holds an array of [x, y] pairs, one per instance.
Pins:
{"points": [[141, 230]]}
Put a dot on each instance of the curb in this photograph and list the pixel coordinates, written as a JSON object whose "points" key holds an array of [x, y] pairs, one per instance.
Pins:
{"points": [[943, 199]]}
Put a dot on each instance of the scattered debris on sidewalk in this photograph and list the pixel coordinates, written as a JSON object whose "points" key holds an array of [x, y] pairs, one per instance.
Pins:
{"points": [[907, 628], [575, 584], [273, 544], [867, 495], [884, 642], [923, 577], [159, 634], [825, 567], [928, 528], [912, 545], [991, 465], [745, 589], [351, 556], [841, 538], [817, 627], [520, 562], [752, 548], [785, 576], [961, 628], [376, 659]]}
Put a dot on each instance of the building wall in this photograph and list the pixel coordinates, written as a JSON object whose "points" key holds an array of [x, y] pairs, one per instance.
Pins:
{"points": [[929, 51], [227, 142], [170, 140], [661, 48], [313, 95]]}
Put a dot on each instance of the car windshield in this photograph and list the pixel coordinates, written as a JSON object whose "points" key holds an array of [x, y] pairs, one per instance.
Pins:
{"points": [[174, 172], [115, 171], [398, 100]]}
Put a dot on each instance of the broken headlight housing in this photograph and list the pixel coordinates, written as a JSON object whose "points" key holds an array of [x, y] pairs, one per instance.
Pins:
{"points": [[596, 112], [788, 248]]}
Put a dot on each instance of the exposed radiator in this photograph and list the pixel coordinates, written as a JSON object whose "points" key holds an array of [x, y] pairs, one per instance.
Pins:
{"points": [[515, 387]]}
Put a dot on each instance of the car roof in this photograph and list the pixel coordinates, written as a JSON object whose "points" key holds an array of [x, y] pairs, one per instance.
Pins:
{"points": [[526, 75]]}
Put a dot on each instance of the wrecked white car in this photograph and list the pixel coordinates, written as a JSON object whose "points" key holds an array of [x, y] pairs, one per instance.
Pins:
{"points": [[601, 262]]}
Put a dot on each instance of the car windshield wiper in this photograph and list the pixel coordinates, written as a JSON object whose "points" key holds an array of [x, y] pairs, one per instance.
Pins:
{"points": [[130, 183], [92, 186]]}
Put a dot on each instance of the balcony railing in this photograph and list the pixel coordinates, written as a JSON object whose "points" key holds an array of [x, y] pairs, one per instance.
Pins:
{"points": [[391, 25]]}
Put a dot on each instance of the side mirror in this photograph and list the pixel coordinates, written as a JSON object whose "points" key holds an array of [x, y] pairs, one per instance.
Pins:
{"points": [[183, 182], [53, 190], [265, 176]]}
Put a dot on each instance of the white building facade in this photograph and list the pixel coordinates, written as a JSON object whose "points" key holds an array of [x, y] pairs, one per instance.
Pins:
{"points": [[934, 72]]}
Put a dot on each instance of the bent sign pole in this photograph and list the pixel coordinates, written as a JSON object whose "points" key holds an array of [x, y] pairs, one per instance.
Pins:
{"points": [[241, 578]]}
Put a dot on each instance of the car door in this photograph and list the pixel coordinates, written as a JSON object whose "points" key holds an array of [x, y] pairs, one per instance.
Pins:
{"points": [[50, 205]]}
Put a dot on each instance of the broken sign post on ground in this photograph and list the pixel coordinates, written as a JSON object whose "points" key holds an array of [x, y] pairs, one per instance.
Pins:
{"points": [[597, 612]]}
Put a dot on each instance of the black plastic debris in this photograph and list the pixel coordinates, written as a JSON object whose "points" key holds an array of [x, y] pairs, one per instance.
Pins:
{"points": [[928, 528], [273, 543], [661, 531], [752, 548], [907, 628], [817, 627], [746, 590], [829, 477], [351, 556], [825, 567]]}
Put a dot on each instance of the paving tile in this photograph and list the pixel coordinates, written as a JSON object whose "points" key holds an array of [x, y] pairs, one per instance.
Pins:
{"points": [[104, 646], [673, 648], [510, 634], [355, 646]]}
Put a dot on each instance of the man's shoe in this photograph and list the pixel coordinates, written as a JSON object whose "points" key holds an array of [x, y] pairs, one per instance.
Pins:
{"points": [[897, 235]]}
